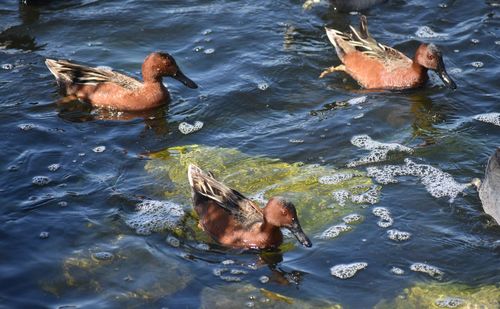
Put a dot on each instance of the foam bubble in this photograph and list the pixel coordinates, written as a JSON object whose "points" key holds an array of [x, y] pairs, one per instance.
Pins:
{"points": [[7, 66], [397, 271], [345, 271], [437, 182], [220, 272], [337, 178], [155, 216], [385, 216], [378, 150], [264, 279], [44, 235], [334, 231], [369, 197], [356, 101], [477, 64], [102, 256], [173, 241], [398, 235], [493, 118], [341, 196], [263, 86], [209, 51], [352, 218], [26, 126], [427, 33], [187, 128], [54, 167], [296, 141], [40, 180], [99, 149], [227, 262], [432, 271], [359, 116], [449, 302]]}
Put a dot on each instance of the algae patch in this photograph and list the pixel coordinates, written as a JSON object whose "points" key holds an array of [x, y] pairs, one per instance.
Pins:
{"points": [[263, 177]]}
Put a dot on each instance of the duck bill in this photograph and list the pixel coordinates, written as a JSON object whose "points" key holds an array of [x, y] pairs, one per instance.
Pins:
{"points": [[300, 235], [441, 71], [185, 80]]}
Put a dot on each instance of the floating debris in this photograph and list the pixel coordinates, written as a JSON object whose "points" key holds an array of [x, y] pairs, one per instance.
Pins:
{"points": [[40, 180], [493, 118], [398, 235], [432, 271], [352, 218], [334, 231], [155, 216], [378, 150], [187, 128], [426, 32], [397, 271], [436, 182], [99, 149], [385, 216], [345, 271]]}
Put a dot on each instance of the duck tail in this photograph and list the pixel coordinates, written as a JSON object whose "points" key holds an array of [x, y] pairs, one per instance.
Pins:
{"points": [[337, 38], [363, 27]]}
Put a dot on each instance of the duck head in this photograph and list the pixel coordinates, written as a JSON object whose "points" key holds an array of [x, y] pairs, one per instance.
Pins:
{"points": [[430, 57], [281, 213], [159, 64]]}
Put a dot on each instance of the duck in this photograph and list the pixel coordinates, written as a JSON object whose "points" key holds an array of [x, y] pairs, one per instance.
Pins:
{"points": [[489, 188], [377, 66], [234, 221], [105, 88]]}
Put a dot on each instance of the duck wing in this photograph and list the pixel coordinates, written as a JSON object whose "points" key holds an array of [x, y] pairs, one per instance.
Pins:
{"points": [[72, 73], [243, 209], [363, 42]]}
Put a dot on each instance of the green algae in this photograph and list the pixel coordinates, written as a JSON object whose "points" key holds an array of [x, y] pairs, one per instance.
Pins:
{"points": [[254, 176], [447, 295], [246, 295], [133, 275]]}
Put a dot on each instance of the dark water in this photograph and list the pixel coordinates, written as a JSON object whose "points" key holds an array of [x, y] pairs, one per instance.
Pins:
{"points": [[257, 64]]}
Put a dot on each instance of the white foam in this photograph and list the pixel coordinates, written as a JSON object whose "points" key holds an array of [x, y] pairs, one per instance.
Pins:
{"points": [[356, 101], [263, 86], [397, 271], [155, 216], [187, 128], [334, 231], [493, 118], [345, 271], [385, 216], [26, 126], [398, 235], [370, 196], [428, 269], [427, 33], [352, 218], [337, 178], [449, 302], [209, 51], [378, 150], [477, 64], [173, 241], [341, 196], [437, 182], [40, 180], [296, 141], [54, 167]]}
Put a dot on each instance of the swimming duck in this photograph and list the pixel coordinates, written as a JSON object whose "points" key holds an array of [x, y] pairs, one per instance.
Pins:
{"points": [[235, 221], [489, 188], [377, 66], [110, 89]]}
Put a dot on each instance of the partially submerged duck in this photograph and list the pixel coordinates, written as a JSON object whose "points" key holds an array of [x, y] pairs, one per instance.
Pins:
{"points": [[114, 90], [235, 221], [489, 188], [377, 66]]}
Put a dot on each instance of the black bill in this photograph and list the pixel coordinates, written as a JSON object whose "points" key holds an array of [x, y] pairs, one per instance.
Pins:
{"points": [[300, 235], [441, 71], [185, 80]]}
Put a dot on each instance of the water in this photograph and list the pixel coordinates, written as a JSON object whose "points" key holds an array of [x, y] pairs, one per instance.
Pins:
{"points": [[257, 64]]}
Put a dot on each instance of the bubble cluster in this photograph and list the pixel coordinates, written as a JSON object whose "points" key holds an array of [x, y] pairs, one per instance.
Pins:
{"points": [[356, 101], [296, 141], [54, 167], [99, 149], [352, 218], [337, 178], [187, 128], [368, 197], [26, 126], [432, 271], [397, 271], [103, 256], [209, 51], [234, 274], [345, 271], [427, 33], [264, 279], [378, 150], [263, 86], [477, 64], [7, 66], [44, 235], [385, 216], [341, 196], [449, 302], [155, 216], [436, 182], [334, 231], [40, 180], [173, 241], [493, 118], [398, 235]]}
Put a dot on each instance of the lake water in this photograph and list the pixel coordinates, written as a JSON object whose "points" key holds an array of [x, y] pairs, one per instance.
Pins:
{"points": [[66, 200]]}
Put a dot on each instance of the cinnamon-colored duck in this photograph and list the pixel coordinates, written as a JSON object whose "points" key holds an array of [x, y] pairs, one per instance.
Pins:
{"points": [[113, 90], [376, 66], [233, 220]]}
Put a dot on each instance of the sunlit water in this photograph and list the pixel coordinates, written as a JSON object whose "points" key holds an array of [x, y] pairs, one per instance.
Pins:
{"points": [[72, 178]]}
